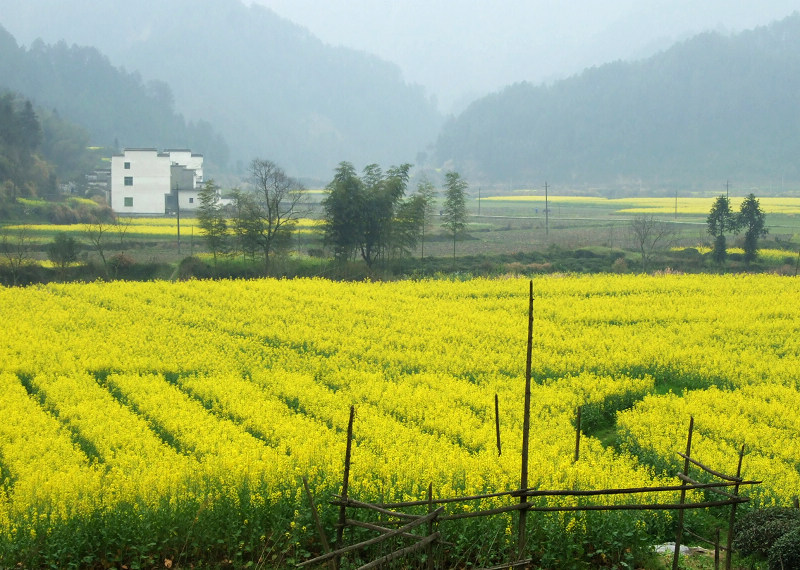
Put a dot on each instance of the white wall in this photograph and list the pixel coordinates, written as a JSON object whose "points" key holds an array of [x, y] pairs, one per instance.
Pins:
{"points": [[188, 190], [153, 178], [192, 161], [150, 171]]}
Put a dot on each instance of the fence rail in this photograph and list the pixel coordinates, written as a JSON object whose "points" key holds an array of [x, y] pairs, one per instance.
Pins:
{"points": [[406, 522]]}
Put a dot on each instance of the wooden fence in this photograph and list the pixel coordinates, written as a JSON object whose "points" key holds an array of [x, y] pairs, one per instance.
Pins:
{"points": [[400, 524]]}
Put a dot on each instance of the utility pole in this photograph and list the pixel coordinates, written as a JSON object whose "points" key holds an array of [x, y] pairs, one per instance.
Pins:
{"points": [[546, 212], [178, 212], [727, 188], [676, 203]]}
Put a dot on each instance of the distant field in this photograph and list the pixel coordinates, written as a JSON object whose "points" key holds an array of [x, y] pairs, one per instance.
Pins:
{"points": [[683, 206], [497, 225]]}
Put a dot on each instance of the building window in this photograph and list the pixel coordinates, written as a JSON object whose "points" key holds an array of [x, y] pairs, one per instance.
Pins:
{"points": [[127, 166], [129, 202], [191, 200], [129, 181]]}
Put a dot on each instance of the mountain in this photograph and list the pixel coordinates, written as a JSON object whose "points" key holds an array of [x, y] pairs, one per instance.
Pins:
{"points": [[116, 107], [271, 88], [709, 109]]}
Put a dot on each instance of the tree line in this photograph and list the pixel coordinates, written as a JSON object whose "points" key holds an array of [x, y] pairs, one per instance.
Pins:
{"points": [[369, 215], [365, 216]]}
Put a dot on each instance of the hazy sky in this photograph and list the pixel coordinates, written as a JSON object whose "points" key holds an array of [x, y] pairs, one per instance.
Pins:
{"points": [[461, 49]]}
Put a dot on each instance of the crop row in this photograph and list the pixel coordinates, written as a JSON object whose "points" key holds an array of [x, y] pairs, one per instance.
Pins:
{"points": [[200, 405]]}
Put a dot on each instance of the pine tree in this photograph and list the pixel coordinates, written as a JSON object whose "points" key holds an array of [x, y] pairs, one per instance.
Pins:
{"points": [[211, 220], [721, 220], [454, 211], [752, 219]]}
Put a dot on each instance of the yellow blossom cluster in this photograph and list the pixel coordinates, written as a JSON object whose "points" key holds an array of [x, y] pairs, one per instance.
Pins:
{"points": [[249, 384]]}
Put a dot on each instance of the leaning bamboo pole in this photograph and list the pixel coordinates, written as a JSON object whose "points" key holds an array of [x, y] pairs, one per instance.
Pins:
{"points": [[345, 483], [526, 426], [733, 513], [686, 463]]}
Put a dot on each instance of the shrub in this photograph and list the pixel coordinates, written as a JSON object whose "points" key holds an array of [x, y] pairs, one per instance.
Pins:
{"points": [[120, 263], [62, 215], [193, 268], [585, 254], [785, 553], [63, 250], [515, 268], [758, 530], [688, 253]]}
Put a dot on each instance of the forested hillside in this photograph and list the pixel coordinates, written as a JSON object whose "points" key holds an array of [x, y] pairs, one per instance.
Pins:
{"points": [[22, 171], [271, 88], [39, 150], [710, 109], [118, 109]]}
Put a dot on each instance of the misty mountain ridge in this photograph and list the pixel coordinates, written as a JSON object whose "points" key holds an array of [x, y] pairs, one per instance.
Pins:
{"points": [[81, 85], [268, 86], [712, 108]]}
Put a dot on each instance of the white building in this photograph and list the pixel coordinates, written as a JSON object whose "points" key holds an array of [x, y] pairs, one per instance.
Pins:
{"points": [[145, 181]]}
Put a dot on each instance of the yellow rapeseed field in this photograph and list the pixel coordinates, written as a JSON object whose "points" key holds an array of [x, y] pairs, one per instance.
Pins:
{"points": [[206, 401], [146, 227], [658, 205]]}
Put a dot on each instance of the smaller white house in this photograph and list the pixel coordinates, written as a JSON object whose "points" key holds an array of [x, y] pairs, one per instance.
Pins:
{"points": [[145, 181]]}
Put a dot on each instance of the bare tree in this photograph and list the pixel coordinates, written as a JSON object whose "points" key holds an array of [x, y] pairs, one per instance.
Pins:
{"points": [[266, 216], [16, 251], [649, 234], [97, 234], [121, 226]]}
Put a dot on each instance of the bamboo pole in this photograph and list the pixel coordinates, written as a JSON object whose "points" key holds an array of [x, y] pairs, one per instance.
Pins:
{"points": [[577, 435], [336, 553], [709, 469], [686, 463], [320, 531], [712, 487], [530, 493], [377, 509], [526, 426], [436, 501], [496, 511], [651, 507], [633, 490], [702, 538], [733, 513], [424, 543], [497, 424], [378, 528], [643, 507], [345, 482], [429, 548]]}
